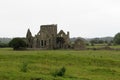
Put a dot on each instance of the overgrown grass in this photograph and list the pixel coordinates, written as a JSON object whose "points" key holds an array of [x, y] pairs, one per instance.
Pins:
{"points": [[79, 65]]}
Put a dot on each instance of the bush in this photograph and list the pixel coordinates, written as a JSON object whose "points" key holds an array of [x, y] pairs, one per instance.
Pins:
{"points": [[17, 43], [60, 72], [24, 67], [36, 79], [3, 45], [117, 39]]}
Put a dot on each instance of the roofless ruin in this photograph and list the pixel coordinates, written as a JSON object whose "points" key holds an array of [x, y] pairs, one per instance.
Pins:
{"points": [[48, 38]]}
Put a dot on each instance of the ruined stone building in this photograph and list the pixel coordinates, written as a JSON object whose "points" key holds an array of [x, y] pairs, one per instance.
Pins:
{"points": [[79, 44], [48, 38]]}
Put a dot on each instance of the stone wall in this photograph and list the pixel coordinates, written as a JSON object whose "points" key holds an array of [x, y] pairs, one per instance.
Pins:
{"points": [[46, 38]]}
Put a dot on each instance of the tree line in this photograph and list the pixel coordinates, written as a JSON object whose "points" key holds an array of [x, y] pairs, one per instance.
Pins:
{"points": [[20, 43]]}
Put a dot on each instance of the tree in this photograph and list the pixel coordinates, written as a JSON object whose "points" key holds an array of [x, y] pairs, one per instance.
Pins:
{"points": [[17, 43], [3, 45], [116, 39]]}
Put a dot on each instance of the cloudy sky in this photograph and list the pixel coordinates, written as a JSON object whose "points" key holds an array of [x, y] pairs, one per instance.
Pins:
{"points": [[85, 18]]}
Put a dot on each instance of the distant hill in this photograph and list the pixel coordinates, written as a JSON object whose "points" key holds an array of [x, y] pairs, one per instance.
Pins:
{"points": [[5, 40], [108, 39], [89, 39], [73, 39]]}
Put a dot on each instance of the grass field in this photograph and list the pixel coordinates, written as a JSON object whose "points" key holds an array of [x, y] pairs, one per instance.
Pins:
{"points": [[102, 46], [41, 65]]}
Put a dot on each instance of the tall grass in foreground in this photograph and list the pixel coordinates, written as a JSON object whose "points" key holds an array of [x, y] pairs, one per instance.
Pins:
{"points": [[78, 65], [24, 67]]}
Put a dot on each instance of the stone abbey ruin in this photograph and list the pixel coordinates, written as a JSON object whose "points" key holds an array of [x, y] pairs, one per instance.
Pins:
{"points": [[48, 38]]}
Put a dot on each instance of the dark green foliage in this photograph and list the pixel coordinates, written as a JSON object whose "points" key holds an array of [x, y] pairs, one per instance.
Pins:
{"points": [[17, 43], [97, 41], [92, 44], [60, 72], [117, 39], [36, 79], [24, 67], [3, 45]]}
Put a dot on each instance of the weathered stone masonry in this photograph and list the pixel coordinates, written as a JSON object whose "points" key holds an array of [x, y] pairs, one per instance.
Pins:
{"points": [[48, 38]]}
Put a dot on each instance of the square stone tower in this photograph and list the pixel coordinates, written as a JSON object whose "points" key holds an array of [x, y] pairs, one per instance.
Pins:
{"points": [[46, 37]]}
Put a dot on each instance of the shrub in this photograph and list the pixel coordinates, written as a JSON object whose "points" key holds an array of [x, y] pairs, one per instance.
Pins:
{"points": [[17, 43], [36, 79], [60, 72], [117, 39], [3, 45], [24, 67]]}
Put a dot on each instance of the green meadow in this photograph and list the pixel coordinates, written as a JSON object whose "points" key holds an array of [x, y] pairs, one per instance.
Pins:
{"points": [[42, 64]]}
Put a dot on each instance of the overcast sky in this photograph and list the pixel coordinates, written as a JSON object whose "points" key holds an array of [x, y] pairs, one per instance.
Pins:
{"points": [[84, 18]]}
